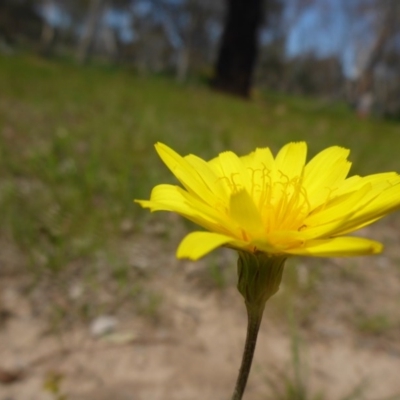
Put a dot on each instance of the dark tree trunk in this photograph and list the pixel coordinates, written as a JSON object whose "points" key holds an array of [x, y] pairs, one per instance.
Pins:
{"points": [[239, 45]]}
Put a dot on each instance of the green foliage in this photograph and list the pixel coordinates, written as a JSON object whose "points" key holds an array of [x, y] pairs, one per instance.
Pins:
{"points": [[217, 275], [293, 382], [374, 324], [52, 385]]}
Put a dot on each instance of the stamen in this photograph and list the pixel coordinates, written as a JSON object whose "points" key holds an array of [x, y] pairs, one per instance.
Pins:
{"points": [[328, 197], [245, 236], [233, 186], [284, 204], [282, 201], [236, 186]]}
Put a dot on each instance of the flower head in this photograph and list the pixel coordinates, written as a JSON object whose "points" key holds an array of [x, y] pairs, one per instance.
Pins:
{"points": [[277, 205]]}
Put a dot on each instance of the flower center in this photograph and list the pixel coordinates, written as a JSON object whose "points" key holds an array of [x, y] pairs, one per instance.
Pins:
{"points": [[282, 201]]}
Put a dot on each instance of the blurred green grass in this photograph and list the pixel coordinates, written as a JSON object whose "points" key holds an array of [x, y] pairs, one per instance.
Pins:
{"points": [[76, 147]]}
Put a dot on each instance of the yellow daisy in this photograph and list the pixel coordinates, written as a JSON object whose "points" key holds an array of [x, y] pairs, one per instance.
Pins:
{"points": [[276, 205]]}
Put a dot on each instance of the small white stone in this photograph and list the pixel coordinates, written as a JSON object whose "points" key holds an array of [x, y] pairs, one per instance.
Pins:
{"points": [[76, 291], [103, 325]]}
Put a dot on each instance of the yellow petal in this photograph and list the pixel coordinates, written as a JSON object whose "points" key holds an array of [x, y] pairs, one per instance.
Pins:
{"points": [[324, 173], [338, 218], [184, 172], [260, 166], [259, 160], [197, 244], [207, 175], [175, 199], [234, 172], [291, 159], [372, 197], [277, 242], [356, 182], [386, 202], [339, 207], [338, 247], [286, 239], [244, 212]]}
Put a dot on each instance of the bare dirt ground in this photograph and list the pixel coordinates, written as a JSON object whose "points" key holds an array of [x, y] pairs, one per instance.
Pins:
{"points": [[347, 313]]}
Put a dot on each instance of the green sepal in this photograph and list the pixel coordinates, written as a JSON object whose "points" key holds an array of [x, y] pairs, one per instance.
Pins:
{"points": [[259, 276]]}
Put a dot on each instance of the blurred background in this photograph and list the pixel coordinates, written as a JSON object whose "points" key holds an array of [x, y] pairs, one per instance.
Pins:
{"points": [[93, 303], [339, 50]]}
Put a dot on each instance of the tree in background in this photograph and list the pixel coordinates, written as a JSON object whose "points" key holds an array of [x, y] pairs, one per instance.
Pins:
{"points": [[94, 14], [20, 23], [198, 42], [386, 17], [184, 37], [239, 45]]}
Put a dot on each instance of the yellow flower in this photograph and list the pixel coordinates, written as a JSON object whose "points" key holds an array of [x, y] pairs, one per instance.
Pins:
{"points": [[280, 206]]}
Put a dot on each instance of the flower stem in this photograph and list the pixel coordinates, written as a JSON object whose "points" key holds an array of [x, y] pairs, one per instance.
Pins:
{"points": [[254, 317], [259, 277]]}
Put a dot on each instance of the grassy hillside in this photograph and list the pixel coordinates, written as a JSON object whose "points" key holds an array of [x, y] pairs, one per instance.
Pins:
{"points": [[76, 146]]}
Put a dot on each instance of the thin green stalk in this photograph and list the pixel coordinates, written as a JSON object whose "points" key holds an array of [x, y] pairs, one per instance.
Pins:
{"points": [[254, 317], [259, 277]]}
